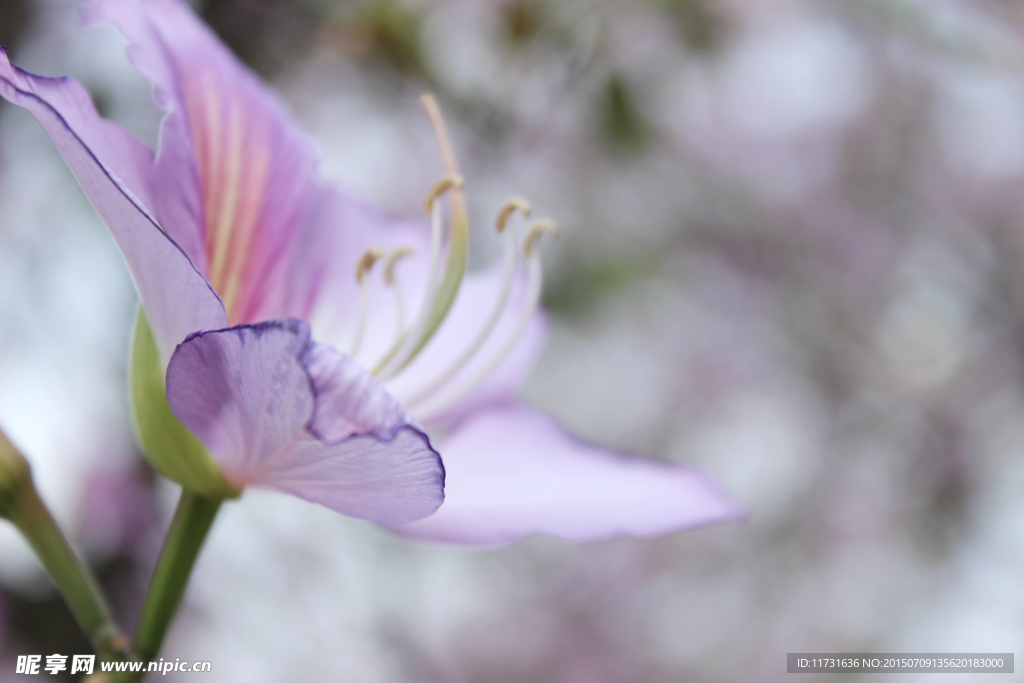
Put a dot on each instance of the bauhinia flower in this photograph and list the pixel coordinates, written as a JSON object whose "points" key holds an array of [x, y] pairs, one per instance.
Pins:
{"points": [[238, 251]]}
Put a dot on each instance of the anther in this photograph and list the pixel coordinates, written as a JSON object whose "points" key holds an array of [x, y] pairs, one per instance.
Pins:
{"points": [[540, 227], [366, 261], [445, 184], [394, 257], [511, 206]]}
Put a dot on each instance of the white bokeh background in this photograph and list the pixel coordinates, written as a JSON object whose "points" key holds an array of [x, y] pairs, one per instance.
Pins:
{"points": [[792, 247]]}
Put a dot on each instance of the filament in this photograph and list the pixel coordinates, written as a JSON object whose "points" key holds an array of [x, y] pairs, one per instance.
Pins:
{"points": [[363, 267], [508, 276], [396, 357], [391, 279], [534, 286]]}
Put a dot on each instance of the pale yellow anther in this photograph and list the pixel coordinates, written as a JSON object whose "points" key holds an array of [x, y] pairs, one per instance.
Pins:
{"points": [[366, 261], [445, 184], [539, 227], [394, 257], [511, 206]]}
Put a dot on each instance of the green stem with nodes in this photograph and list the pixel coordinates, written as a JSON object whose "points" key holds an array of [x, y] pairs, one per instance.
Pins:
{"points": [[191, 523], [20, 503]]}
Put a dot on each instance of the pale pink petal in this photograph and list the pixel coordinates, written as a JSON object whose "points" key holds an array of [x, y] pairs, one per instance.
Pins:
{"points": [[110, 167], [246, 393], [512, 471]]}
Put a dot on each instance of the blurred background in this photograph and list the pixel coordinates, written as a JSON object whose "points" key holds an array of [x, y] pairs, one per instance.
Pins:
{"points": [[792, 256]]}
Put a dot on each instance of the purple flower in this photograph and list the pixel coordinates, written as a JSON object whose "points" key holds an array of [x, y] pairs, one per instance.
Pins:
{"points": [[237, 249]]}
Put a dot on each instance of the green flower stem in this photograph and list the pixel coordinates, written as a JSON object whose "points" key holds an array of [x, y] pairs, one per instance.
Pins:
{"points": [[20, 503], [192, 521]]}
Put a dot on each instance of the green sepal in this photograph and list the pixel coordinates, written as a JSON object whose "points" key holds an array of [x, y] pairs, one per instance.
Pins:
{"points": [[170, 447]]}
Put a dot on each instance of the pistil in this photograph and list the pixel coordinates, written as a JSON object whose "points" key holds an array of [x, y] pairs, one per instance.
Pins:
{"points": [[444, 276], [440, 300]]}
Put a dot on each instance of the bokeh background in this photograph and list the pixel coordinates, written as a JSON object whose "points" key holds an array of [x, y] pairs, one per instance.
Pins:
{"points": [[792, 256]]}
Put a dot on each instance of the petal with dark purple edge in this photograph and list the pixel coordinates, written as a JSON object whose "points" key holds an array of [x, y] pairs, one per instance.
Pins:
{"points": [[108, 165], [349, 401], [247, 394], [513, 471], [237, 175]]}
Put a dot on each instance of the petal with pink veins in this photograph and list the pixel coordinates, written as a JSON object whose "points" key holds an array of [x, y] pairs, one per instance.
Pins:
{"points": [[109, 165], [237, 176]]}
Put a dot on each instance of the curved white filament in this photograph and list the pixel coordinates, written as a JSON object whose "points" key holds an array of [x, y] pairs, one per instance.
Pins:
{"points": [[357, 336], [407, 342], [363, 268], [399, 309], [392, 280], [509, 271], [457, 393]]}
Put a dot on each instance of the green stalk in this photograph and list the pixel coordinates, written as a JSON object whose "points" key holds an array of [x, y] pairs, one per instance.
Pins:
{"points": [[20, 503], [192, 521]]}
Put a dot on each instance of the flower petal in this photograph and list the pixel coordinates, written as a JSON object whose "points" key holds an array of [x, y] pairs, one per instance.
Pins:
{"points": [[110, 167], [387, 482], [237, 175], [247, 394], [512, 471], [348, 400]]}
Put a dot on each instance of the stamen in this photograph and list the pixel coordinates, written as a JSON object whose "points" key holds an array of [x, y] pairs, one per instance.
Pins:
{"points": [[391, 279], [366, 261], [510, 207], [534, 286], [440, 296], [449, 182], [541, 226], [365, 265], [393, 361]]}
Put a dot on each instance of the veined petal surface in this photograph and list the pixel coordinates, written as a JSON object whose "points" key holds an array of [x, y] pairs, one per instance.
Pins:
{"points": [[247, 394], [349, 401]]}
